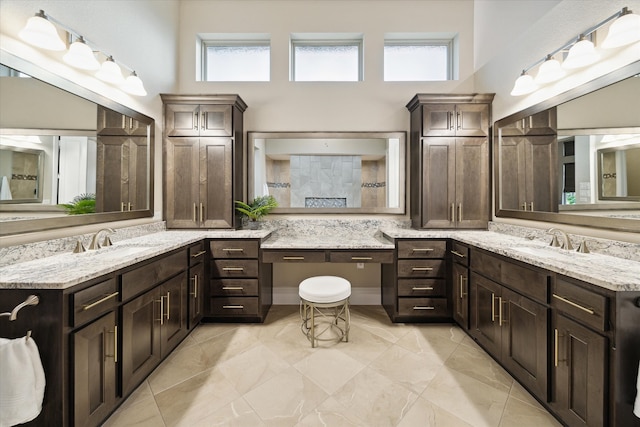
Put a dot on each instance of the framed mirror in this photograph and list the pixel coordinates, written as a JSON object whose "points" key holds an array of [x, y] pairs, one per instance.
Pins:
{"points": [[62, 146], [556, 161], [329, 172]]}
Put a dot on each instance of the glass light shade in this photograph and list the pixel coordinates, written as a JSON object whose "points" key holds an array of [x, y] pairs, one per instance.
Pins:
{"points": [[110, 72], [81, 56], [524, 85], [133, 85], [580, 55], [42, 33], [549, 71], [623, 31]]}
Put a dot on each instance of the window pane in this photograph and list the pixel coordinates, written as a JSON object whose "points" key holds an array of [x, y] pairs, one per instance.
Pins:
{"points": [[416, 63], [238, 63], [326, 63]]}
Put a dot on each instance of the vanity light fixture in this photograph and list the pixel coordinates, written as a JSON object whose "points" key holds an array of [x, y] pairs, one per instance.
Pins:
{"points": [[42, 31], [624, 29]]}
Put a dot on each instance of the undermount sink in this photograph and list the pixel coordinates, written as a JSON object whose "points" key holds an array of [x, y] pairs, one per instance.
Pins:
{"points": [[115, 252], [542, 252]]}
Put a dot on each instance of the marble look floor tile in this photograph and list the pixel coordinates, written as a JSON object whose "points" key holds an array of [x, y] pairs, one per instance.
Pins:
{"points": [[329, 368], [467, 398], [440, 340], [136, 412], [196, 398], [229, 344], [391, 332], [285, 399], [183, 363], [520, 393], [479, 365], [289, 343], [375, 399], [424, 413], [253, 367], [331, 413], [363, 345], [235, 414], [206, 331], [406, 368], [518, 413]]}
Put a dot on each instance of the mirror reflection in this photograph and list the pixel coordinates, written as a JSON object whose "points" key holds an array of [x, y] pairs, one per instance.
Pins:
{"points": [[329, 172], [619, 168]]}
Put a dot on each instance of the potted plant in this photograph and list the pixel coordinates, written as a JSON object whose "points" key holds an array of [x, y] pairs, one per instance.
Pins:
{"points": [[82, 204], [257, 209]]}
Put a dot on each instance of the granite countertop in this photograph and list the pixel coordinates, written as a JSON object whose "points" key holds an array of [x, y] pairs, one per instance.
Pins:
{"points": [[608, 272], [353, 241]]}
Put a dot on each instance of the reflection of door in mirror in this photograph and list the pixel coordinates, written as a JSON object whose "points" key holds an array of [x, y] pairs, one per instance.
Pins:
{"points": [[619, 172], [20, 174]]}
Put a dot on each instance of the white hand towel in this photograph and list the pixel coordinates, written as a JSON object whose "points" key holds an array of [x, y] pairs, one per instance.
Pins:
{"points": [[21, 381], [5, 190], [636, 406]]}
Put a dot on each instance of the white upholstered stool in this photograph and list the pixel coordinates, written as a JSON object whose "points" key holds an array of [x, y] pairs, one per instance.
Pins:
{"points": [[324, 304]]}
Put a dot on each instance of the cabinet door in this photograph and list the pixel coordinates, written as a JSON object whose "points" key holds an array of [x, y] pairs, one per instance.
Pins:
{"points": [[542, 123], [524, 340], [541, 173], [137, 174], [112, 173], [215, 120], [182, 169], [472, 182], [461, 295], [472, 120], [112, 122], [216, 183], [512, 175], [94, 370], [174, 323], [140, 338], [438, 183], [197, 283], [485, 325], [438, 120], [182, 120], [580, 360]]}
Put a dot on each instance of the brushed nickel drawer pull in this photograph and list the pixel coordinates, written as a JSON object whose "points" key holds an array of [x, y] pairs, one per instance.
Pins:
{"points": [[168, 304], [422, 269], [196, 255], [458, 254], [195, 213], [115, 344], [500, 311], [423, 249], [201, 212], [418, 307], [240, 307], [361, 258], [292, 258], [555, 348], [233, 249], [161, 301], [425, 288], [576, 305], [232, 268], [493, 307], [232, 288], [195, 286], [100, 301]]}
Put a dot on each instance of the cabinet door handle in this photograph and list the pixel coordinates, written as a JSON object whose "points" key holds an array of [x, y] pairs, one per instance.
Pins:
{"points": [[499, 311], [228, 307], [531, 206], [573, 304], [450, 118], [493, 307], [194, 279], [161, 301], [232, 288], [195, 120], [129, 205], [292, 258], [195, 213], [232, 250], [202, 122], [196, 255], [465, 282], [458, 254], [424, 288], [555, 347], [232, 268], [361, 258], [421, 307], [115, 344], [421, 268], [524, 206], [453, 212], [168, 304], [422, 249], [100, 301], [459, 212], [460, 283], [121, 206], [458, 121], [201, 212]]}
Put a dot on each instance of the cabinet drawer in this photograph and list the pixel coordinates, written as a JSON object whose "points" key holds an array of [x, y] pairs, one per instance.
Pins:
{"points": [[293, 256], [487, 265], [147, 276], [422, 287], [235, 306], [234, 249], [197, 253], [582, 304], [424, 307], [422, 249], [234, 268], [460, 253], [381, 257], [422, 268], [527, 281], [89, 303], [234, 287]]}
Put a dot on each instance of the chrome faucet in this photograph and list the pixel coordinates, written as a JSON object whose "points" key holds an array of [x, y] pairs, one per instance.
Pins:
{"points": [[554, 242], [95, 243]]}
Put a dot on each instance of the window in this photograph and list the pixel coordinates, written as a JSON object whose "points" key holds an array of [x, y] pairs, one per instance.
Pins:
{"points": [[236, 60], [328, 59], [418, 60]]}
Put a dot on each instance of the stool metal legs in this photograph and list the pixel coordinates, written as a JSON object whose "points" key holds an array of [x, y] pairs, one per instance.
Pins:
{"points": [[314, 315]]}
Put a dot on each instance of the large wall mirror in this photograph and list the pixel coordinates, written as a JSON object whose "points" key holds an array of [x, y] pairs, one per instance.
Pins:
{"points": [[68, 156], [329, 172], [574, 159]]}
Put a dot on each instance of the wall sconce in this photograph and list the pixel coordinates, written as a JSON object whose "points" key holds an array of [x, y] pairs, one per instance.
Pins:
{"points": [[41, 31], [624, 30]]}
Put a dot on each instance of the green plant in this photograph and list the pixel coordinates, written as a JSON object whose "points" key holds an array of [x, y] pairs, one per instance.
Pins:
{"points": [[258, 208], [82, 204]]}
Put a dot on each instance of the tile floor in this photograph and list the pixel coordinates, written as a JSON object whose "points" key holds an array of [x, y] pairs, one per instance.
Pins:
{"points": [[405, 375]]}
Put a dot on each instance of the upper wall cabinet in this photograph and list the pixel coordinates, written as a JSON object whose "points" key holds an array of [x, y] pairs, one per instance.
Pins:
{"points": [[452, 119], [113, 123], [542, 123], [198, 120]]}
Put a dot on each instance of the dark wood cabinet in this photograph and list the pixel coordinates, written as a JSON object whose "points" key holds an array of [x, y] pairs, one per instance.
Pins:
{"points": [[95, 355], [542, 123], [114, 123], [449, 155], [460, 284], [197, 283], [203, 160]]}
